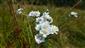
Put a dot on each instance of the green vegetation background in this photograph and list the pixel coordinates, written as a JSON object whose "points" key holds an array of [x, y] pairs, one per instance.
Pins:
{"points": [[17, 31]]}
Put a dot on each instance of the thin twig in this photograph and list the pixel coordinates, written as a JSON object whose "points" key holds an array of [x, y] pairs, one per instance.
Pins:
{"points": [[72, 7]]}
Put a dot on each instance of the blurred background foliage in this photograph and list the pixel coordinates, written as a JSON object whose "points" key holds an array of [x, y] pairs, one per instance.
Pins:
{"points": [[17, 31]]}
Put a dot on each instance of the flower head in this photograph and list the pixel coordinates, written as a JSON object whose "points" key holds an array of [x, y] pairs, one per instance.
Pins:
{"points": [[47, 17], [19, 11], [40, 20], [54, 29], [39, 38], [34, 13], [45, 29], [43, 26], [75, 14], [37, 27]]}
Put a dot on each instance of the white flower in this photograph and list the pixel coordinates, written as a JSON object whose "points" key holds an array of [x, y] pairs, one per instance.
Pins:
{"points": [[19, 11], [39, 23], [44, 17], [37, 27], [43, 26], [45, 29], [54, 29], [39, 38], [75, 14], [47, 17], [34, 13], [40, 20]]}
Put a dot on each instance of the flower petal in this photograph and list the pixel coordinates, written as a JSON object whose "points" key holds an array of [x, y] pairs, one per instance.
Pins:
{"points": [[39, 38]]}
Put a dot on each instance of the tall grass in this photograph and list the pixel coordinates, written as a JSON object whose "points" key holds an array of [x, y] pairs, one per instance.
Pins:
{"points": [[71, 35]]}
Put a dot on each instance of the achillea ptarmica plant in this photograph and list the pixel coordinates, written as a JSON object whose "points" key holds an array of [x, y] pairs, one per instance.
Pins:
{"points": [[74, 14], [43, 25], [19, 11]]}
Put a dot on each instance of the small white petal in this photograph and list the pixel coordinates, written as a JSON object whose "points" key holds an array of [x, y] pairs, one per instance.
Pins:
{"points": [[74, 13], [37, 13], [44, 35], [37, 27]]}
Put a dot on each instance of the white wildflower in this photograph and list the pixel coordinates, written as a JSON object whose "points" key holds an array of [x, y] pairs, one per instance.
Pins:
{"points": [[47, 29], [19, 11], [54, 29], [44, 28], [40, 20], [44, 17], [37, 27], [47, 17], [75, 14], [43, 20], [39, 38], [34, 13]]}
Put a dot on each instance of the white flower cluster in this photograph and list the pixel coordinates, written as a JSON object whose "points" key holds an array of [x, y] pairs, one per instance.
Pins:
{"points": [[19, 11], [75, 14], [39, 38], [34, 13], [43, 26]]}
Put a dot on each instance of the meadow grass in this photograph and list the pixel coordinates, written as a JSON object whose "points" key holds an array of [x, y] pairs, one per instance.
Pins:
{"points": [[71, 34]]}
